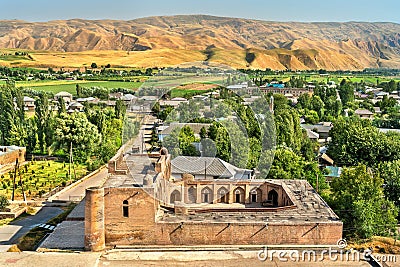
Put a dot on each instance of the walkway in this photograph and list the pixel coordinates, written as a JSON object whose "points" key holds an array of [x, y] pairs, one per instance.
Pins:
{"points": [[9, 234]]}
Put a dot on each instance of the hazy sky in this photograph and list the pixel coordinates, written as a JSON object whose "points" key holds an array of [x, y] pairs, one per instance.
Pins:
{"points": [[277, 10]]}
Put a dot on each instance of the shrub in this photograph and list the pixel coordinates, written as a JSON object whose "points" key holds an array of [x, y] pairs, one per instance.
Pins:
{"points": [[3, 202]]}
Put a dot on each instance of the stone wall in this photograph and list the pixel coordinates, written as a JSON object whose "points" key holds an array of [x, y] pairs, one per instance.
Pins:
{"points": [[141, 226], [12, 155]]}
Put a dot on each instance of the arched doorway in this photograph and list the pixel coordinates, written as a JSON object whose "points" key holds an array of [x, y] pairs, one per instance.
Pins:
{"points": [[223, 195], [175, 196], [256, 195], [239, 195], [273, 197], [206, 195], [192, 195]]}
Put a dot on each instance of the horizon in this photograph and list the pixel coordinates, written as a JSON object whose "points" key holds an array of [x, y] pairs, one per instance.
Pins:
{"points": [[208, 15], [282, 11]]}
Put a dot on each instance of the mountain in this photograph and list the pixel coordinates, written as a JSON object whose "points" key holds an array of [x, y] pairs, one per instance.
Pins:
{"points": [[238, 42]]}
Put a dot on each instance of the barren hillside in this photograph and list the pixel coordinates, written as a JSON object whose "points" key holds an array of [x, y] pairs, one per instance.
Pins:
{"points": [[237, 42]]}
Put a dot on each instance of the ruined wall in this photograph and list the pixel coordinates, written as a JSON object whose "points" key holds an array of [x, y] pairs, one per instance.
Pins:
{"points": [[140, 223], [94, 219], [12, 156], [141, 227]]}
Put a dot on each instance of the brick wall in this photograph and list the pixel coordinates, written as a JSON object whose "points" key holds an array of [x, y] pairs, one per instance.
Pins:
{"points": [[141, 228], [12, 156]]}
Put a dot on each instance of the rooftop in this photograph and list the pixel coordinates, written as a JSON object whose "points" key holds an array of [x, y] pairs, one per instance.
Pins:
{"points": [[211, 166], [309, 207]]}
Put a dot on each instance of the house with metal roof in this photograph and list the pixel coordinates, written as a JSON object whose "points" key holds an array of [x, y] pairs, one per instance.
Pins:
{"points": [[207, 168]]}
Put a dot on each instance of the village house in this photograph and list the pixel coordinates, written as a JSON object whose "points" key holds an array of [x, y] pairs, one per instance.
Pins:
{"points": [[364, 114], [29, 103], [174, 102], [207, 168], [75, 107], [321, 128], [65, 95]]}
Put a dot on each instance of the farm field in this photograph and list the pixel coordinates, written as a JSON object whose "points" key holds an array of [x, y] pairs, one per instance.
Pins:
{"points": [[134, 59], [333, 77], [39, 177], [189, 90], [70, 86]]}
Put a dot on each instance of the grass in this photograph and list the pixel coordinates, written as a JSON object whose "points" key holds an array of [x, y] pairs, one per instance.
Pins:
{"points": [[70, 86], [40, 177], [185, 92], [5, 221], [133, 59], [336, 78], [191, 89]]}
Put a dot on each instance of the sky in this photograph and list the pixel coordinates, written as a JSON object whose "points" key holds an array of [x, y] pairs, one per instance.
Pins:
{"points": [[277, 10]]}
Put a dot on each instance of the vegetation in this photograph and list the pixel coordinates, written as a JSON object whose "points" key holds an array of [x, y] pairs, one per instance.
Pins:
{"points": [[3, 202], [40, 177], [358, 200]]}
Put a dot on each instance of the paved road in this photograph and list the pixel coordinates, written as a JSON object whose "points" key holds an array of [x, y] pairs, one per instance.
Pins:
{"points": [[9, 234], [78, 192]]}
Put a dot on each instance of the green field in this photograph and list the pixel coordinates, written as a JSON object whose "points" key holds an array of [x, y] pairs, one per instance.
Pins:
{"points": [[70, 86], [40, 177], [336, 78]]}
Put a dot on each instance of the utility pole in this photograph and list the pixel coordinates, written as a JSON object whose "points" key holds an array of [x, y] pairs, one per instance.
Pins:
{"points": [[70, 160], [14, 177], [22, 185]]}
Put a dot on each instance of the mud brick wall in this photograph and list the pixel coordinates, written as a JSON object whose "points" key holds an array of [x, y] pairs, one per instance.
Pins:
{"points": [[142, 228], [12, 156]]}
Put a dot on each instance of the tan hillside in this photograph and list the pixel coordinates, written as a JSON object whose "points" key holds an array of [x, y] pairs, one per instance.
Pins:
{"points": [[240, 43]]}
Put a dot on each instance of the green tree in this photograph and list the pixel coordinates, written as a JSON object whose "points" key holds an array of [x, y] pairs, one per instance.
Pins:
{"points": [[75, 128], [203, 132], [357, 141], [359, 201], [7, 114], [186, 139], [120, 109], [61, 106], [288, 130], [390, 173], [42, 116], [346, 92]]}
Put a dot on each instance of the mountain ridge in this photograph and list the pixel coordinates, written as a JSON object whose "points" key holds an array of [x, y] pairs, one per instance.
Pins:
{"points": [[275, 45]]}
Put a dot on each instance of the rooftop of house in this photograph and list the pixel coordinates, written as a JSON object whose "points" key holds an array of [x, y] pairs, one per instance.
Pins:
{"points": [[128, 97], [333, 171], [28, 99], [322, 127], [311, 134], [62, 93], [385, 130], [308, 207], [363, 112], [210, 166]]}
